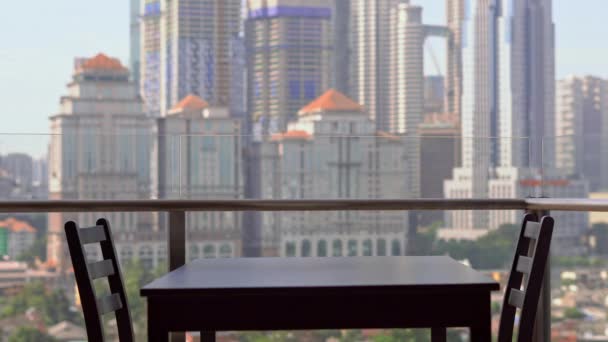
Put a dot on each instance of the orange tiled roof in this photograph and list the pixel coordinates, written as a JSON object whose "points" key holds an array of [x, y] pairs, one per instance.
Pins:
{"points": [[293, 134], [101, 61], [15, 225], [191, 102], [332, 100]]}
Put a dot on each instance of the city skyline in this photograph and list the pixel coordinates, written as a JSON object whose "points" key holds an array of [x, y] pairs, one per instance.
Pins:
{"points": [[61, 43]]}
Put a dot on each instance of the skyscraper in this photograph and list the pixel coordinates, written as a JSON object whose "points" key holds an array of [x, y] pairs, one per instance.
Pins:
{"points": [[150, 63], [508, 89], [371, 44], [100, 148], [453, 80], [134, 40], [342, 56], [187, 50], [195, 45], [289, 47], [581, 140]]}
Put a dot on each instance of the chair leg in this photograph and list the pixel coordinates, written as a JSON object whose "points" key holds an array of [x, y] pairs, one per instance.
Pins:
{"points": [[207, 336], [438, 334]]}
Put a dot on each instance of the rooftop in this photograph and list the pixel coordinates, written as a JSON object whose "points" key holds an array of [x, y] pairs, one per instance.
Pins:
{"points": [[292, 134], [332, 101], [102, 62], [190, 102], [16, 226]]}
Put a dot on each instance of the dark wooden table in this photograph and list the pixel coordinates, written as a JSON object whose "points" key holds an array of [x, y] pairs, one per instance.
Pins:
{"points": [[211, 295]]}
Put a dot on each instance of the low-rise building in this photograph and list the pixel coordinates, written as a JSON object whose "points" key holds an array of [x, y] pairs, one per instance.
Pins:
{"points": [[16, 237]]}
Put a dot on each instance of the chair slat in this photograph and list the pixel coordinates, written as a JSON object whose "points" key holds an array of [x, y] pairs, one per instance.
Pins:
{"points": [[101, 269], [516, 298], [524, 264], [532, 230], [92, 235], [109, 303]]}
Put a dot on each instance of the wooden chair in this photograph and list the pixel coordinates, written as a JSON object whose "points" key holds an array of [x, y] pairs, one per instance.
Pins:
{"points": [[528, 269], [93, 307]]}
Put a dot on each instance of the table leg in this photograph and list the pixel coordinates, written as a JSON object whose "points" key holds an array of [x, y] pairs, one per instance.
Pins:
{"points": [[157, 331], [207, 336], [481, 327], [438, 334]]}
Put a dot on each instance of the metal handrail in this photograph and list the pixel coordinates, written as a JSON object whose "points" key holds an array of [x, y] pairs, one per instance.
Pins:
{"points": [[565, 204]]}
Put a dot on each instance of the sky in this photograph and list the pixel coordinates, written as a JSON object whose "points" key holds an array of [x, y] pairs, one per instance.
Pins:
{"points": [[40, 39]]}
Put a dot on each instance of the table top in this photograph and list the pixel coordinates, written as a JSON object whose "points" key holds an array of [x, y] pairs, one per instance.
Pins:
{"points": [[262, 275]]}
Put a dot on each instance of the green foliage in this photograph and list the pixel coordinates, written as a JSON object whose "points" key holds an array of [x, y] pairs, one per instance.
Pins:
{"points": [[577, 261], [29, 335], [494, 250], [573, 313], [53, 305], [135, 276]]}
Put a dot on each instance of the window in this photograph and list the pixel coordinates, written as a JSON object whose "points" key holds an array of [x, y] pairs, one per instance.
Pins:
{"points": [[337, 247], [209, 251], [381, 247], [306, 248], [353, 247], [396, 247], [322, 248], [367, 247], [290, 249]]}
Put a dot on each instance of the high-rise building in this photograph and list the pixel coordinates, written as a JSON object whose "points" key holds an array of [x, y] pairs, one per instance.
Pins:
{"points": [[508, 93], [134, 40], [342, 56], [371, 27], [150, 63], [405, 103], [334, 151], [453, 78], [186, 47], [100, 149], [581, 123], [289, 48], [434, 96], [195, 50]]}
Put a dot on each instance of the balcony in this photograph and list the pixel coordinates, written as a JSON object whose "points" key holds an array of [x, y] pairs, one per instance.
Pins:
{"points": [[278, 200]]}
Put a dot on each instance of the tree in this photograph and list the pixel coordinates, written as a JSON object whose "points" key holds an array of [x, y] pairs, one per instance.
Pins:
{"points": [[26, 334], [494, 250], [53, 305]]}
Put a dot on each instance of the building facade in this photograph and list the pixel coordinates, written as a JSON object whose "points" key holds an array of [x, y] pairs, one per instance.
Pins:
{"points": [[100, 148], [187, 49], [135, 40], [333, 151], [16, 237], [289, 49], [371, 28], [581, 131], [508, 96], [200, 157]]}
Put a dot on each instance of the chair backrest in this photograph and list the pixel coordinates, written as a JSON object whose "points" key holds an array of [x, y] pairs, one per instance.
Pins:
{"points": [[93, 307], [528, 269]]}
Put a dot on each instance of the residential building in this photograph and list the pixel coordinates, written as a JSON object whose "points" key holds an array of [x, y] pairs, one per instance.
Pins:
{"points": [[289, 49], [581, 135], [20, 168], [14, 275], [16, 238], [100, 149], [334, 151], [199, 157], [195, 50]]}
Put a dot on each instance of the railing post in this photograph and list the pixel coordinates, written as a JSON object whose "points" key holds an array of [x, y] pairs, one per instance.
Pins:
{"points": [[176, 250], [542, 328]]}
